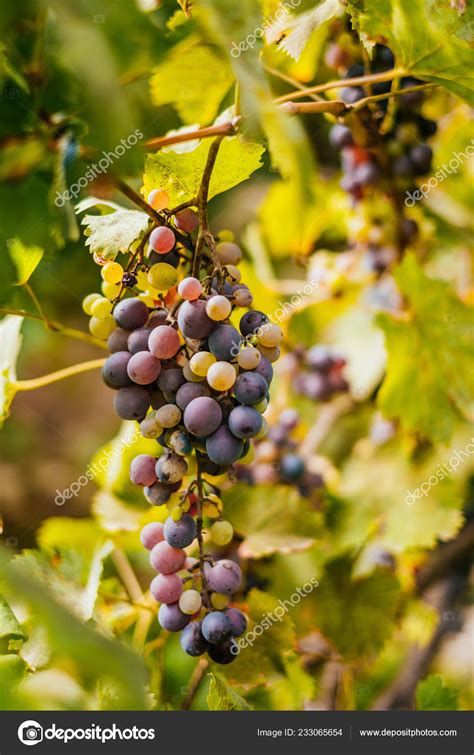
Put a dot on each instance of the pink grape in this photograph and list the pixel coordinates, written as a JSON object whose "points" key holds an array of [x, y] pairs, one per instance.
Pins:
{"points": [[143, 368], [190, 289], [187, 220], [162, 239], [166, 588], [166, 559], [163, 342], [142, 470], [151, 535]]}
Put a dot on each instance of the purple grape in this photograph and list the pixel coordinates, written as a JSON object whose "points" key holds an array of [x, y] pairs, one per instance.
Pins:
{"points": [[170, 380], [340, 136], [367, 173], [224, 342], [292, 467], [357, 69], [421, 156], [250, 388], [349, 95], [171, 617], [118, 340], [402, 166], [202, 416], [151, 535], [166, 588], [188, 392], [142, 470], [143, 368], [216, 627], [180, 534], [171, 467], [131, 313], [114, 371], [265, 369], [192, 640], [181, 443], [158, 493], [222, 447], [224, 653], [132, 402], [138, 340], [238, 619], [251, 322], [193, 320], [225, 577], [166, 559], [289, 419], [319, 358], [245, 422], [157, 317], [427, 127]]}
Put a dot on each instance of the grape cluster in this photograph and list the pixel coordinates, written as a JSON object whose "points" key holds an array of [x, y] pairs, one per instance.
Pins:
{"points": [[199, 386], [278, 460], [396, 157], [318, 373]]}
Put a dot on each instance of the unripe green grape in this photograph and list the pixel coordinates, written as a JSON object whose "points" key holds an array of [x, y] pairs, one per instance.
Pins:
{"points": [[221, 376], [149, 427], [101, 308], [201, 361], [190, 602], [222, 532], [88, 301], [249, 456], [233, 274], [228, 253], [270, 335], [102, 328], [147, 299], [219, 601], [110, 290], [162, 276], [168, 415], [272, 353], [261, 406], [212, 506], [226, 235], [176, 513], [112, 272], [142, 280], [218, 308], [248, 358], [191, 376], [263, 431]]}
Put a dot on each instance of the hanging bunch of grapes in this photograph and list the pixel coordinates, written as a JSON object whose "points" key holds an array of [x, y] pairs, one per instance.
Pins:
{"points": [[198, 385]]}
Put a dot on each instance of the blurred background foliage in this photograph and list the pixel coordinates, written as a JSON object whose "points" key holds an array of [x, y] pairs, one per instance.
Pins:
{"points": [[77, 78]]}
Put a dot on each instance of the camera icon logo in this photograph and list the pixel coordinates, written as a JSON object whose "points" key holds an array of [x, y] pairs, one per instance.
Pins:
{"points": [[30, 733]]}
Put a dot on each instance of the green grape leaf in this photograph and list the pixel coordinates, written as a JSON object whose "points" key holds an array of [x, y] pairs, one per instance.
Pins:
{"points": [[107, 235], [430, 355], [9, 625], [194, 79], [181, 174], [10, 344], [428, 37], [95, 654], [25, 258], [367, 605], [273, 519], [13, 670], [264, 657], [222, 697], [298, 31], [432, 694]]}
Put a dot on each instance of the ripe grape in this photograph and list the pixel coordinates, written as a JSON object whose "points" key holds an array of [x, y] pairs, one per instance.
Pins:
{"points": [[162, 239], [114, 371], [166, 588], [132, 402], [180, 442], [192, 640], [250, 388], [190, 602], [222, 447], [221, 376], [241, 296], [193, 320], [292, 467], [170, 467], [170, 380], [171, 617], [158, 199], [158, 493], [166, 559], [188, 392], [164, 342], [162, 276], [223, 653], [118, 340], [238, 619], [138, 340], [218, 308], [420, 156], [186, 220], [190, 289], [264, 368], [142, 470], [143, 368], [228, 253], [131, 313], [157, 317], [202, 416], [245, 422], [151, 534], [340, 136], [224, 342], [216, 627], [225, 577], [112, 272], [252, 321]]}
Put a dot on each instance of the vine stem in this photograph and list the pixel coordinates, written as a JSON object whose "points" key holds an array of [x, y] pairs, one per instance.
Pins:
{"points": [[195, 681], [199, 521], [396, 93], [53, 377], [336, 107], [204, 234], [222, 129], [65, 330], [327, 418], [289, 80], [371, 78]]}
